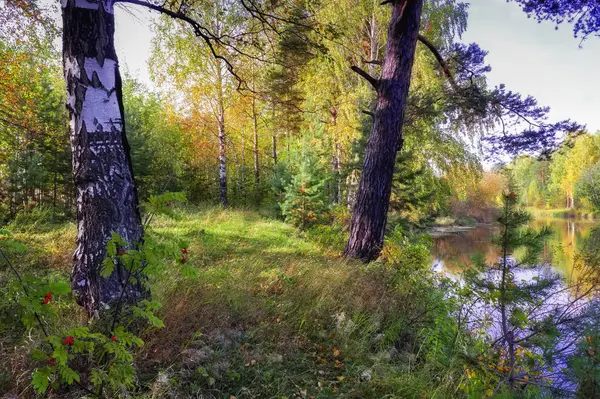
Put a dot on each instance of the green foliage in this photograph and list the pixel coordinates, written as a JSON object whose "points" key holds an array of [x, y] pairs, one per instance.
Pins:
{"points": [[585, 365], [415, 192], [157, 143], [588, 186], [106, 348], [518, 315], [566, 180]]}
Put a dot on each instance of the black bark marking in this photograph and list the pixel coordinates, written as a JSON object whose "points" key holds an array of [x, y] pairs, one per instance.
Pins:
{"points": [[106, 194]]}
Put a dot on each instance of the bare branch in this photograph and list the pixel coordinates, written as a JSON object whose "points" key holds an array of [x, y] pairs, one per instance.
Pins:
{"points": [[372, 62], [199, 30], [374, 82], [440, 60]]}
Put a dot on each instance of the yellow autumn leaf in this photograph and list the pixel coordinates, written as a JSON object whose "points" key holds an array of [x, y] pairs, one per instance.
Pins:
{"points": [[336, 352]]}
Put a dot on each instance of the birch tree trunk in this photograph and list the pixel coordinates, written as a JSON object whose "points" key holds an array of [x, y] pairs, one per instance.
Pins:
{"points": [[222, 138], [372, 202], [107, 200]]}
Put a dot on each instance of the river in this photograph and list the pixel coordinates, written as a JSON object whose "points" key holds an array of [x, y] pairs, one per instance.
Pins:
{"points": [[453, 252]]}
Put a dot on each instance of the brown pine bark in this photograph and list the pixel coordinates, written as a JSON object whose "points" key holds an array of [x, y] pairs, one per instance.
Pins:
{"points": [[372, 202], [106, 200]]}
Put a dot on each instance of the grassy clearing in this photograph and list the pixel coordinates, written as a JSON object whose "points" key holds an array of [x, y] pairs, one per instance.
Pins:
{"points": [[275, 313]]}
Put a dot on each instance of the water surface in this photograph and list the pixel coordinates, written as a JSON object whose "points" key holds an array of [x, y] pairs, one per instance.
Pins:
{"points": [[454, 252]]}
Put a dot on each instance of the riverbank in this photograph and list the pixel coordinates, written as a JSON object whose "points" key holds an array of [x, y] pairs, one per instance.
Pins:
{"points": [[563, 213], [444, 231]]}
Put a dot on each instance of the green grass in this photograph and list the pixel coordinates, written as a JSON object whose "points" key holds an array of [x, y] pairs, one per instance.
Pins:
{"points": [[274, 313]]}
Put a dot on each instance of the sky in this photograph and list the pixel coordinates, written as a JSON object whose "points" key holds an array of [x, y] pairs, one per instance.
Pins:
{"points": [[530, 58]]}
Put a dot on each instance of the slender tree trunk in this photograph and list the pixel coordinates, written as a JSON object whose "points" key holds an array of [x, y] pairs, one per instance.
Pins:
{"points": [[337, 149], [274, 142], [255, 150], [238, 168], [107, 200], [506, 331], [338, 172], [372, 201], [243, 156], [54, 186], [222, 138]]}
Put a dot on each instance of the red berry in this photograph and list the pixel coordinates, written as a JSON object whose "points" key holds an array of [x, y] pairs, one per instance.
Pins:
{"points": [[183, 260], [122, 252], [51, 362], [47, 298], [113, 338], [184, 251], [69, 340]]}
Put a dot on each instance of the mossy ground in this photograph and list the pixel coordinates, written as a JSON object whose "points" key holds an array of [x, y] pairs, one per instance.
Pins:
{"points": [[272, 313]]}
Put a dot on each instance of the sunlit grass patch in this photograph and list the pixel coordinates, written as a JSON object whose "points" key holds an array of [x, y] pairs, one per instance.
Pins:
{"points": [[271, 311]]}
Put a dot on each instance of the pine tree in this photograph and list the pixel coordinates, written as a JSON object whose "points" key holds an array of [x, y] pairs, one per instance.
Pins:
{"points": [[513, 301], [304, 202]]}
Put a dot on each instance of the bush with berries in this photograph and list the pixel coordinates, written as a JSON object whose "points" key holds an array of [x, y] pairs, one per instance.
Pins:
{"points": [[98, 357]]}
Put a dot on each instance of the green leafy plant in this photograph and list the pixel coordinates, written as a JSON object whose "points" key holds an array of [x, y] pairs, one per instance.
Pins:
{"points": [[99, 359]]}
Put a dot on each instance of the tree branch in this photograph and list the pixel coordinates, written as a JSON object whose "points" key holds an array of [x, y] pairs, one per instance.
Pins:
{"points": [[440, 60], [372, 62], [199, 30], [374, 82]]}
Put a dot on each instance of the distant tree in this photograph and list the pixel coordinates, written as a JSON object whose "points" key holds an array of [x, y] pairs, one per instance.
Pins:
{"points": [[569, 164], [588, 186], [156, 139]]}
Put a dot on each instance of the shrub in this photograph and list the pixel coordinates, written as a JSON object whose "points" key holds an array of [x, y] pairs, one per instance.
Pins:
{"points": [[304, 200]]}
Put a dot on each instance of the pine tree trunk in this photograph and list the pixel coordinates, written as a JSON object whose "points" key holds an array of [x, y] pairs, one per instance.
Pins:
{"points": [[222, 138], [372, 201], [107, 200]]}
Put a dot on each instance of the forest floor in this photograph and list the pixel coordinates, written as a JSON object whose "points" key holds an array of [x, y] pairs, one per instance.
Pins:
{"points": [[272, 312]]}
